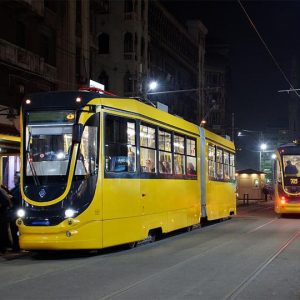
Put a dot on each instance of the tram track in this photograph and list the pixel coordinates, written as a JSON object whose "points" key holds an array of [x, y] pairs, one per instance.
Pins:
{"points": [[123, 290], [205, 249], [241, 287]]}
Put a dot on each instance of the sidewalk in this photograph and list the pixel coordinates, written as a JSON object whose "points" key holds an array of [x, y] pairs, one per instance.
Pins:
{"points": [[10, 254], [255, 207]]}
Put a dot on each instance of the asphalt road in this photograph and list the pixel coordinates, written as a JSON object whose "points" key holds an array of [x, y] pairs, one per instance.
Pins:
{"points": [[254, 255]]}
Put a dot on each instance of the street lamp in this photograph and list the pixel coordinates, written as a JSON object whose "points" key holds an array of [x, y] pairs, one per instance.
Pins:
{"points": [[263, 147], [152, 86]]}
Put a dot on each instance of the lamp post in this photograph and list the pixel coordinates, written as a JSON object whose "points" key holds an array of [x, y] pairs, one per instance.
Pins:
{"points": [[263, 147]]}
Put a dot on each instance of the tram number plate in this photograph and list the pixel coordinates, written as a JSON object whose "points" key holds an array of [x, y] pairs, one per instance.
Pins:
{"points": [[294, 181]]}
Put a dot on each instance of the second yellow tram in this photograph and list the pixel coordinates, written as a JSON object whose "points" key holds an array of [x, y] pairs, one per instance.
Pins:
{"points": [[287, 179]]}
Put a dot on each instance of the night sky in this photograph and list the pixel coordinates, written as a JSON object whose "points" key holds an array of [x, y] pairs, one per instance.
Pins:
{"points": [[255, 78]]}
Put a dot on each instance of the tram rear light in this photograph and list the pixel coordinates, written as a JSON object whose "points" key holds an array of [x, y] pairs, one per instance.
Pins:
{"points": [[282, 200]]}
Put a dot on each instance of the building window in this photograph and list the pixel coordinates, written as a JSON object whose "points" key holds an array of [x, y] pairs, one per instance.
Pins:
{"points": [[135, 46], [103, 78], [128, 83], [128, 45], [128, 6], [21, 35], [102, 6], [103, 43], [142, 46], [52, 5], [142, 8], [78, 61], [45, 47]]}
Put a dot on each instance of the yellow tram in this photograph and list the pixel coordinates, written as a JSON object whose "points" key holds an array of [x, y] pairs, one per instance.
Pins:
{"points": [[287, 179], [99, 171]]}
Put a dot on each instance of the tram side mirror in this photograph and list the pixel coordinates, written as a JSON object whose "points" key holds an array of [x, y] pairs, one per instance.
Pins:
{"points": [[77, 133]]}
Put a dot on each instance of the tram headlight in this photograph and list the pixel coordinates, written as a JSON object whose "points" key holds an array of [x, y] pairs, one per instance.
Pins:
{"points": [[70, 213], [21, 213]]}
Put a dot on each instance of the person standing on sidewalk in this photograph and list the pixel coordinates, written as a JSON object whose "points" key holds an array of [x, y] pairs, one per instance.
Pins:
{"points": [[16, 203]]}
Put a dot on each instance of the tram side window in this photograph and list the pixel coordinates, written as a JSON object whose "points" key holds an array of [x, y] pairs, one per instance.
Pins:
{"points": [[191, 161], [278, 171], [179, 158], [232, 166], [120, 144], [148, 149], [165, 154], [219, 164], [226, 165], [211, 161], [87, 158]]}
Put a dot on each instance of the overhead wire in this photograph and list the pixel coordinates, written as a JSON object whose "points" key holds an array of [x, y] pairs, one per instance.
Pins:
{"points": [[268, 49]]}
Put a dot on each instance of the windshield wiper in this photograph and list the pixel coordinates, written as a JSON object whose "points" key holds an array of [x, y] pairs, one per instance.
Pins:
{"points": [[31, 165]]}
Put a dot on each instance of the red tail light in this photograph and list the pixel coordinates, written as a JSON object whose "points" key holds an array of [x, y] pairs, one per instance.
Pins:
{"points": [[282, 200]]}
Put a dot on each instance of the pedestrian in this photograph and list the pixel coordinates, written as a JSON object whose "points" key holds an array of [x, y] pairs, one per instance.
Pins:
{"points": [[15, 205], [265, 191], [4, 222]]}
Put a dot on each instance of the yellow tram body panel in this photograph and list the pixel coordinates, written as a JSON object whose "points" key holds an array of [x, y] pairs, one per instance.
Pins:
{"points": [[220, 195], [131, 208]]}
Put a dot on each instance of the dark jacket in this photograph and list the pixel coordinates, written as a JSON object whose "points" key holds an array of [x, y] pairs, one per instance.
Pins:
{"points": [[4, 202]]}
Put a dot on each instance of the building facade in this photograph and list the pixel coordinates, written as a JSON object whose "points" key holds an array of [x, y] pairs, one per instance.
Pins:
{"points": [[139, 41], [217, 111], [44, 45]]}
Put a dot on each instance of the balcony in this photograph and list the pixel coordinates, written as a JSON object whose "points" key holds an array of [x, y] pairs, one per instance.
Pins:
{"points": [[26, 60], [35, 7]]}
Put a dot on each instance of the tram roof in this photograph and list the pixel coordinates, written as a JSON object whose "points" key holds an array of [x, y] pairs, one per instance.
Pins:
{"points": [[290, 148], [67, 100]]}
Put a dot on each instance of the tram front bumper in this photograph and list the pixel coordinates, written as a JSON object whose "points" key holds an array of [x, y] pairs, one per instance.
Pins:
{"points": [[65, 236]]}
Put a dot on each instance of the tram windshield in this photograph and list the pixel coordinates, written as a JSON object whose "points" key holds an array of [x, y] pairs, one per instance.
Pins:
{"points": [[48, 143], [291, 165]]}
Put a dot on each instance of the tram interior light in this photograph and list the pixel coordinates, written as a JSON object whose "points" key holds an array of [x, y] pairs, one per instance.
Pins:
{"points": [[21, 213]]}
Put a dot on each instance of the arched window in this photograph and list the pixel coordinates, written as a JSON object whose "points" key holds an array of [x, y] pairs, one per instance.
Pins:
{"points": [[128, 42], [128, 83], [142, 46], [103, 78], [103, 43], [128, 6]]}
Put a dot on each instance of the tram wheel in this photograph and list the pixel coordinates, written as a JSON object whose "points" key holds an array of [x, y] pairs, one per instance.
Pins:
{"points": [[131, 245], [189, 228]]}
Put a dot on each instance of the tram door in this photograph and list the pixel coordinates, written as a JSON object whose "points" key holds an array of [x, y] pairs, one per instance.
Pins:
{"points": [[121, 185]]}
